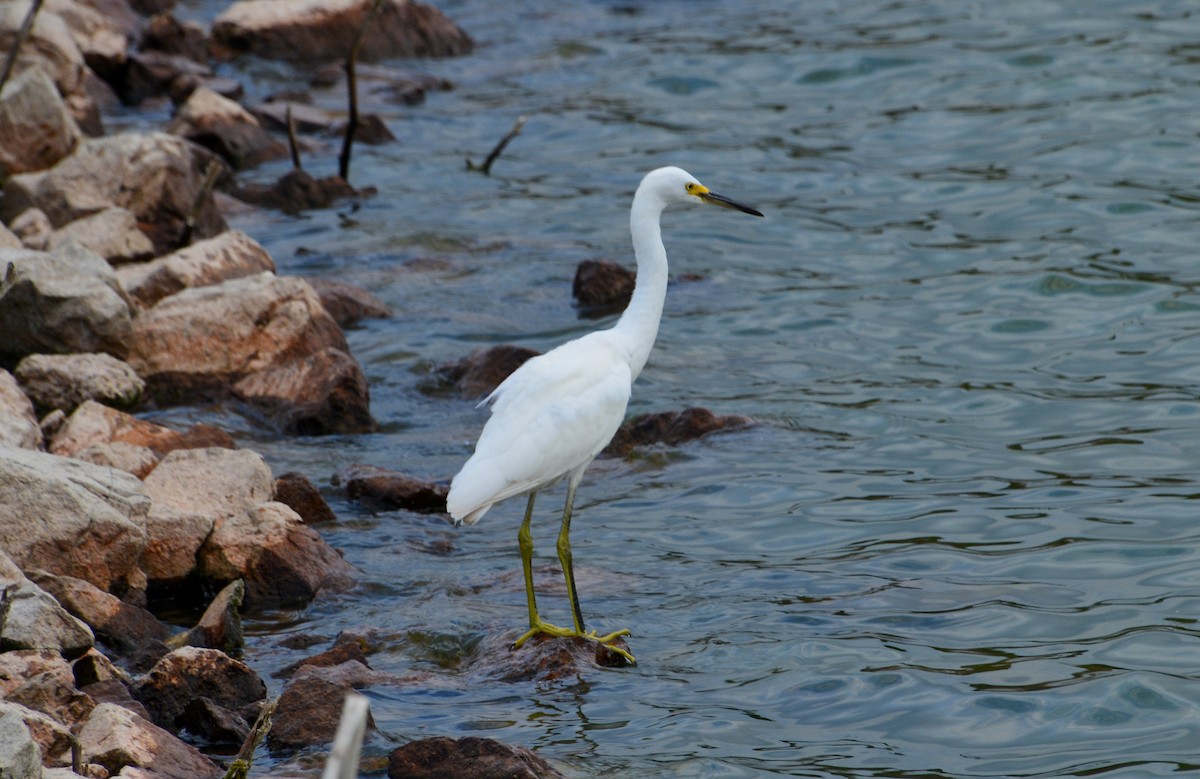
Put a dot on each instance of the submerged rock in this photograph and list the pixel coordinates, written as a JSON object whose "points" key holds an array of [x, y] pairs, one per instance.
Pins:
{"points": [[670, 427], [391, 489], [297, 191], [295, 491], [480, 372], [466, 758], [602, 287]]}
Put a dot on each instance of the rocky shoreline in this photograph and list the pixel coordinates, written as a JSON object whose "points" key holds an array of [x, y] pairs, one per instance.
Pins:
{"points": [[122, 288]]}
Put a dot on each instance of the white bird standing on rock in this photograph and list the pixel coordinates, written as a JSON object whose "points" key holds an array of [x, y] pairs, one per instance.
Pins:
{"points": [[554, 414]]}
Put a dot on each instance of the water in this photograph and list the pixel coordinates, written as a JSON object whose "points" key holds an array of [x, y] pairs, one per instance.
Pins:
{"points": [[962, 541]]}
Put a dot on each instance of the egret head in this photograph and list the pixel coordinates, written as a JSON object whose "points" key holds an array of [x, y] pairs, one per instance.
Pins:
{"points": [[675, 185]]}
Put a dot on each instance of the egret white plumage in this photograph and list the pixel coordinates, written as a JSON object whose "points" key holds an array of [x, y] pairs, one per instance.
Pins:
{"points": [[554, 414]]}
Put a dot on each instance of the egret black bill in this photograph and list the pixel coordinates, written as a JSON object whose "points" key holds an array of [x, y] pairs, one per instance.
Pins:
{"points": [[724, 202]]}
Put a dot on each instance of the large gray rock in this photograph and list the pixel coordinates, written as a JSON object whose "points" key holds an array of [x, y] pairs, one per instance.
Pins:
{"points": [[156, 176], [36, 129], [65, 301], [325, 30], [51, 736], [115, 737], [72, 518], [18, 423], [230, 255], [112, 233], [20, 757], [66, 380], [35, 620]]}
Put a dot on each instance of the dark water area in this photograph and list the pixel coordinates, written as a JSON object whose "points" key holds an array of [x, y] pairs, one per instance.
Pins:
{"points": [[963, 540]]}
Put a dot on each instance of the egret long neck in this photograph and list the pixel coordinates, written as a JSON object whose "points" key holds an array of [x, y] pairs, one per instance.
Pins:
{"points": [[638, 326]]}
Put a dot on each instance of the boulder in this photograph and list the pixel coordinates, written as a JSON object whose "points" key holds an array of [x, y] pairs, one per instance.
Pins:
{"points": [[296, 191], [50, 46], [20, 756], [118, 624], [671, 428], [343, 650], [156, 176], [150, 73], [115, 737], [64, 381], [18, 423], [214, 725], [60, 302], [101, 40], [391, 489], [207, 342], [93, 424], [42, 680], [346, 303], [33, 229], [221, 125], [9, 239], [220, 627], [480, 372], [188, 673], [112, 233], [33, 619], [72, 518], [163, 32], [325, 30], [310, 706], [36, 128], [52, 738], [466, 758], [295, 491], [602, 286], [230, 255]]}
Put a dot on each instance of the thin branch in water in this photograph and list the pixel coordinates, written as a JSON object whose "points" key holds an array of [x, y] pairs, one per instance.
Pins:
{"points": [[486, 167], [26, 28], [352, 89], [240, 767], [293, 146]]}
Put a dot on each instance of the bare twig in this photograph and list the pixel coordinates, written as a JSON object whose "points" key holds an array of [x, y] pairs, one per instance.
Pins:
{"points": [[26, 28], [240, 768], [293, 146], [211, 174], [347, 745], [486, 167], [352, 89]]}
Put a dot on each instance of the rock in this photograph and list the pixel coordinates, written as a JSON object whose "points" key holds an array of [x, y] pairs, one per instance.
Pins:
{"points": [[325, 30], [541, 659], [209, 341], [121, 625], [20, 756], [112, 233], [466, 758], [115, 691], [220, 124], [94, 667], [284, 562], [61, 302], [230, 255], [72, 518], [602, 286], [30, 618], [295, 491], [310, 706], [220, 627], [163, 32], [115, 737], [347, 304], [52, 738], [9, 239], [323, 393], [156, 176], [213, 724], [101, 41], [33, 228], [391, 489], [50, 46], [351, 648], [671, 428], [297, 191], [193, 672], [36, 129], [306, 118], [135, 460], [149, 73], [18, 424], [41, 680], [381, 82], [181, 517], [94, 424], [481, 371], [64, 381]]}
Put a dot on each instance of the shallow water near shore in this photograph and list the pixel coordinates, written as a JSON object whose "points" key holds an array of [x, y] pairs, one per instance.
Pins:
{"points": [[963, 539]]}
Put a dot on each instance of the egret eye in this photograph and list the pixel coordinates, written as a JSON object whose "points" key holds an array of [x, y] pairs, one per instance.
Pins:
{"points": [[692, 188]]}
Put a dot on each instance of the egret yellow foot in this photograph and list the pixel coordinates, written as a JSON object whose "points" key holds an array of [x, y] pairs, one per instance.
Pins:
{"points": [[591, 635]]}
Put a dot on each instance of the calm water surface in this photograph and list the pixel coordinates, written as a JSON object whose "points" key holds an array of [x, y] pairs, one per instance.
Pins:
{"points": [[963, 540]]}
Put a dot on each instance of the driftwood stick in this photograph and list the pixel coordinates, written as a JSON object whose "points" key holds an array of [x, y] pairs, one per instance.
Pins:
{"points": [[352, 89], [240, 768], [26, 28], [486, 167], [347, 744], [293, 145]]}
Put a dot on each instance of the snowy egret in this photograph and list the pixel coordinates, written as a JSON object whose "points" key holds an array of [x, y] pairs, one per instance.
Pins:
{"points": [[553, 415]]}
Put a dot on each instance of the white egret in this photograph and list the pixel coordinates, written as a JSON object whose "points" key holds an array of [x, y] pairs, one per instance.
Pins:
{"points": [[553, 415]]}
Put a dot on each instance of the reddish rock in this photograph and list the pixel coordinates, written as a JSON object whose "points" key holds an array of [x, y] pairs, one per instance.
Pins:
{"points": [[310, 706], [115, 737], [121, 625], [347, 304], [189, 673], [670, 427], [602, 286], [295, 491], [220, 627], [230, 255], [42, 680], [221, 125], [297, 191], [322, 393], [541, 658], [442, 757], [344, 650], [94, 423], [480, 372], [391, 489], [325, 30], [114, 691], [50, 735]]}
